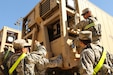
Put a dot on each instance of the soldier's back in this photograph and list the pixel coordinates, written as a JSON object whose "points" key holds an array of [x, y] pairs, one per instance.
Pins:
{"points": [[35, 64], [20, 67]]}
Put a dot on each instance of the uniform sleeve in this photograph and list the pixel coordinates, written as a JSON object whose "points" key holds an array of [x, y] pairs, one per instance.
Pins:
{"points": [[30, 61], [86, 62], [39, 60], [81, 25], [110, 57]]}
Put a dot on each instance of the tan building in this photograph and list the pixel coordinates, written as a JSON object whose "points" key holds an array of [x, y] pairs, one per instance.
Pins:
{"points": [[7, 36]]}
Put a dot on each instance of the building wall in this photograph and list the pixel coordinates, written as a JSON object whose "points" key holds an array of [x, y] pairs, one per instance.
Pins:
{"points": [[3, 37], [106, 23]]}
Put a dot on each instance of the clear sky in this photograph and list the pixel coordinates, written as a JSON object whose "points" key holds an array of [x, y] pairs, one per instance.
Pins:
{"points": [[106, 5], [12, 10]]}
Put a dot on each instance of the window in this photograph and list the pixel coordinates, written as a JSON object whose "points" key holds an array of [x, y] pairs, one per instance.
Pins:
{"points": [[54, 31], [11, 36], [71, 4]]}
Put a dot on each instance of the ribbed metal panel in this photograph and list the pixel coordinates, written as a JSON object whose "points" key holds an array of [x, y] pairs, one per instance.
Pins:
{"points": [[44, 7]]}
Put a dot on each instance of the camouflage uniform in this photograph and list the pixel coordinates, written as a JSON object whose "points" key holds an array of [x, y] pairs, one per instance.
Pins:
{"points": [[20, 68], [96, 35], [37, 59], [32, 64], [18, 45], [35, 64], [96, 29], [90, 57], [1, 61], [4, 57]]}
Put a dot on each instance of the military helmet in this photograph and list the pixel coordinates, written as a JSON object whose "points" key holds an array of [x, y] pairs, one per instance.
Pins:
{"points": [[20, 43], [85, 11], [85, 35]]}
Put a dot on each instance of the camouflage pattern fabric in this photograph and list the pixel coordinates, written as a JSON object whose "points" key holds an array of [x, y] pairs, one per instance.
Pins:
{"points": [[35, 64], [95, 29], [90, 57], [55, 61], [20, 68], [1, 61], [33, 61], [36, 61]]}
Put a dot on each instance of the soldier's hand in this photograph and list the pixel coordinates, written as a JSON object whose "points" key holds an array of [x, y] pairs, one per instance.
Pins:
{"points": [[69, 42], [37, 42]]}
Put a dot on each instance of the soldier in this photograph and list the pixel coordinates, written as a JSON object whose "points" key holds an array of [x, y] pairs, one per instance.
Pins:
{"points": [[16, 63], [25, 63], [4, 57], [94, 60], [38, 60], [90, 23], [1, 61]]}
